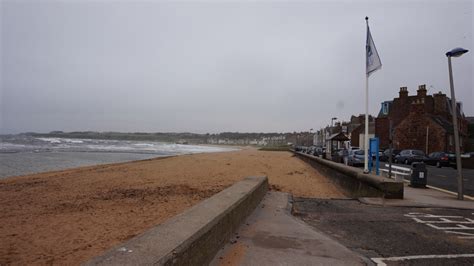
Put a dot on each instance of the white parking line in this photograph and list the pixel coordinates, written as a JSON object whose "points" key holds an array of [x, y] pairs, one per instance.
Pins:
{"points": [[380, 261], [451, 223]]}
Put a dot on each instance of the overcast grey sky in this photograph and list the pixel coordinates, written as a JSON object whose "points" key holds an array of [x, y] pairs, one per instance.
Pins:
{"points": [[211, 66]]}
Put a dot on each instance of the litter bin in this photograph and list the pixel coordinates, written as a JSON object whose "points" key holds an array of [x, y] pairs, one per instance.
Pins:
{"points": [[419, 175]]}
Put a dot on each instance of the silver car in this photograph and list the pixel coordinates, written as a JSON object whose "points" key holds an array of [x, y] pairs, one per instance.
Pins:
{"points": [[356, 158]]}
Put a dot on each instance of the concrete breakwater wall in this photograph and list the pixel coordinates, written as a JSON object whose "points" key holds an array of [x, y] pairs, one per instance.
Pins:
{"points": [[353, 181], [194, 236]]}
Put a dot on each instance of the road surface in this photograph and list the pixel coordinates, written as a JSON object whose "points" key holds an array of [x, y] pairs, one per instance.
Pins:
{"points": [[446, 178], [394, 235]]}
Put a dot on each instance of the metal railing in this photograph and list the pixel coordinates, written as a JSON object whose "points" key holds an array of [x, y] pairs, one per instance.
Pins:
{"points": [[398, 172]]}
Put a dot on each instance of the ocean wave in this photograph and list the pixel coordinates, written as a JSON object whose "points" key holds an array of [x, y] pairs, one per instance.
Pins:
{"points": [[61, 140], [40, 144]]}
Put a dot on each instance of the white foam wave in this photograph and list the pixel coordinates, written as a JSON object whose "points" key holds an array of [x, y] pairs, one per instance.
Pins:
{"points": [[61, 140]]}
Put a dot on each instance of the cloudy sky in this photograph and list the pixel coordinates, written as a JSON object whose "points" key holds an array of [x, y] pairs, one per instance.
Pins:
{"points": [[207, 66]]}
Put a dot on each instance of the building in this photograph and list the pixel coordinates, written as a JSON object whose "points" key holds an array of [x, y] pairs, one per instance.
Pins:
{"points": [[420, 121], [353, 129], [356, 130], [357, 135], [470, 131]]}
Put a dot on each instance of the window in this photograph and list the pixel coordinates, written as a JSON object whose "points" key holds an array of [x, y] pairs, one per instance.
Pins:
{"points": [[385, 108], [418, 152]]}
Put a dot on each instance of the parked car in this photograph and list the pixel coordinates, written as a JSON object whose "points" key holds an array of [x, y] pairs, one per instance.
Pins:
{"points": [[310, 150], [438, 159], [356, 158], [317, 151], [386, 154], [452, 160], [410, 156]]}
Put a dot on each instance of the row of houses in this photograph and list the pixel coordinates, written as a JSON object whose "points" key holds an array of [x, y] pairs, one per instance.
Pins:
{"points": [[419, 121], [276, 140]]}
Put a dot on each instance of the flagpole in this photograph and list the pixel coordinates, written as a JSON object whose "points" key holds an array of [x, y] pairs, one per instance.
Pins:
{"points": [[366, 135]]}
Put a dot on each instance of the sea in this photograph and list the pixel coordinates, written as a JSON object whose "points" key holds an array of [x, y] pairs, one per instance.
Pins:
{"points": [[25, 154]]}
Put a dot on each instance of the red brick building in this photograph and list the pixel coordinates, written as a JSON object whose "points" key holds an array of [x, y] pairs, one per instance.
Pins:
{"points": [[420, 121]]}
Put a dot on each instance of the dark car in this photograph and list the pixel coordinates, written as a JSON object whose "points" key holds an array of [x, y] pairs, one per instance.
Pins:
{"points": [[310, 150], [438, 159], [452, 160], [318, 151], [410, 156], [385, 155]]}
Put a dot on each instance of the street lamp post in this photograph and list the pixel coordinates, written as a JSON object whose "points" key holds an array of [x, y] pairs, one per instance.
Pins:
{"points": [[456, 52]]}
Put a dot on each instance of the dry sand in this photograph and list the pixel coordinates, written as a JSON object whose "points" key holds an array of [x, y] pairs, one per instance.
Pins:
{"points": [[67, 217]]}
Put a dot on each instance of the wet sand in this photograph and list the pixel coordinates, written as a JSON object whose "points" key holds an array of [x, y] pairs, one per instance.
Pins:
{"points": [[67, 217]]}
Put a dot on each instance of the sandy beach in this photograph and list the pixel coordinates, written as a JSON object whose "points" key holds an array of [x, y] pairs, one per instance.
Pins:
{"points": [[67, 217]]}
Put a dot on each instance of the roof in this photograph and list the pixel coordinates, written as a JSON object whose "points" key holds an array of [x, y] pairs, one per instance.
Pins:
{"points": [[338, 137], [444, 123], [470, 119], [460, 113], [381, 114]]}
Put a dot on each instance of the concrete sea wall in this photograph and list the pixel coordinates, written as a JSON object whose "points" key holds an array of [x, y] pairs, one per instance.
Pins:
{"points": [[353, 181], [194, 236]]}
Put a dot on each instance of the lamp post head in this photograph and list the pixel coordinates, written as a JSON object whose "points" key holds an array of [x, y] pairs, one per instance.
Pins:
{"points": [[456, 52]]}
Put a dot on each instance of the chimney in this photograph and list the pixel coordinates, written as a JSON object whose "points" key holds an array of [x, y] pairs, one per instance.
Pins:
{"points": [[403, 92], [440, 106], [421, 92]]}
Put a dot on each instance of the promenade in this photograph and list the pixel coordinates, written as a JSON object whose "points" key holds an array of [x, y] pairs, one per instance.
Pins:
{"points": [[426, 227]]}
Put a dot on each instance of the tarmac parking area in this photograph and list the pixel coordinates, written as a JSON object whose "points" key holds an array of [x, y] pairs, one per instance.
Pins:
{"points": [[446, 178], [394, 235]]}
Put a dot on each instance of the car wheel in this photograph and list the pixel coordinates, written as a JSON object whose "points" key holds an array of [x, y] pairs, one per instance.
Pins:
{"points": [[406, 161], [438, 164]]}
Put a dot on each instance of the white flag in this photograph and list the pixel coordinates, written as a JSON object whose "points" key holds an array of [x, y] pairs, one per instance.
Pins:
{"points": [[373, 62]]}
